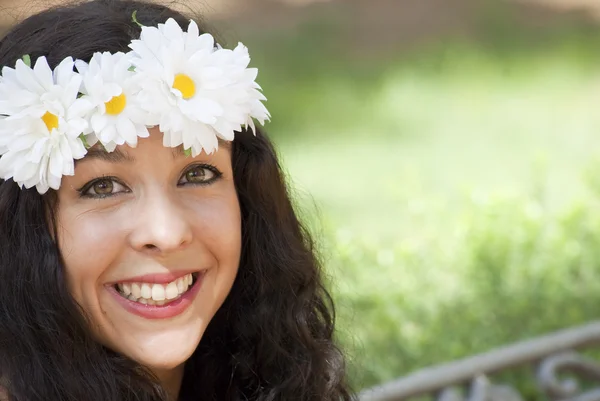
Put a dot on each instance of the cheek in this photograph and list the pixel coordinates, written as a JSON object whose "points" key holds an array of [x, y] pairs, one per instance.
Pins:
{"points": [[218, 227], [87, 244]]}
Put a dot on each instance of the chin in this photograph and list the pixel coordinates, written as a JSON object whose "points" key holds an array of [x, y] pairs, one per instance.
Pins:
{"points": [[166, 359], [163, 351], [166, 364]]}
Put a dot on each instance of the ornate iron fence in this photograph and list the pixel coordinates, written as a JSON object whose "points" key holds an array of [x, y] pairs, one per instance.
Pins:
{"points": [[559, 365]]}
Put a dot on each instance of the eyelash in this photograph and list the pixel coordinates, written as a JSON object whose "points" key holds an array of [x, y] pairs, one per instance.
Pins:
{"points": [[88, 186]]}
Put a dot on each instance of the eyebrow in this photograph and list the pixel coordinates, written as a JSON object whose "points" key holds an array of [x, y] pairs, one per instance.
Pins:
{"points": [[117, 156], [178, 151]]}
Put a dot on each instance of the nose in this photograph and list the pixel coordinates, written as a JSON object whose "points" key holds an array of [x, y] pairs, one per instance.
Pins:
{"points": [[161, 225]]}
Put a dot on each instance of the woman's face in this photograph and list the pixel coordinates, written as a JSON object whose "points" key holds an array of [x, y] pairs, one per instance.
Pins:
{"points": [[151, 243]]}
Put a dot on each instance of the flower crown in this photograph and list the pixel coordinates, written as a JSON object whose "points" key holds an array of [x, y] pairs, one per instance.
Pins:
{"points": [[194, 90]]}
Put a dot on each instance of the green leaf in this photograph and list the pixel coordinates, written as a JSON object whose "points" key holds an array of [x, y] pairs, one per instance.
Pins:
{"points": [[134, 19], [187, 152], [84, 140], [27, 60], [132, 68]]}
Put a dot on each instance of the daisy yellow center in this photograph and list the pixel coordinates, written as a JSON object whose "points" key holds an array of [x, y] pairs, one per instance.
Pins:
{"points": [[185, 85], [51, 121], [116, 105]]}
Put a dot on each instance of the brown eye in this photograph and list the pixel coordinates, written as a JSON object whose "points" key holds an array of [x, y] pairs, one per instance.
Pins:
{"points": [[196, 174], [199, 174], [102, 188]]}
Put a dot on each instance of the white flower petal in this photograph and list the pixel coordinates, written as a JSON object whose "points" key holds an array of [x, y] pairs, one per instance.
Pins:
{"points": [[27, 78], [9, 75], [191, 37], [30, 182], [18, 100], [172, 30], [53, 181], [108, 134], [138, 116], [63, 73], [39, 150], [106, 63], [64, 148], [206, 41], [110, 147], [226, 130], [36, 112], [202, 109], [42, 187], [78, 149], [142, 131], [43, 73], [7, 162], [98, 122], [82, 66], [80, 108], [22, 142], [76, 127], [91, 139], [56, 162], [126, 130], [171, 139], [25, 172], [71, 90], [152, 40], [250, 125]]}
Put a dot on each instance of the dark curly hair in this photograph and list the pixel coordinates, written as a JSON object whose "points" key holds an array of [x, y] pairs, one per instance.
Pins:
{"points": [[271, 340]]}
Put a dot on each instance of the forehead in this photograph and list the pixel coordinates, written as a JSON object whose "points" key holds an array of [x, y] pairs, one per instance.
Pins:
{"points": [[126, 154]]}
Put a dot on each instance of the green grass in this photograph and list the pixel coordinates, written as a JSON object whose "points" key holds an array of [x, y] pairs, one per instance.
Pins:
{"points": [[456, 187]]}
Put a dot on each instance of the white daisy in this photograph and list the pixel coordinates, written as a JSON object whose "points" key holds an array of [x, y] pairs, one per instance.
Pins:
{"points": [[195, 91], [39, 136], [110, 85]]}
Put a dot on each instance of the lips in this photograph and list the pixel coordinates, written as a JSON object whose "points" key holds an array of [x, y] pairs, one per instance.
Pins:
{"points": [[147, 306], [148, 293]]}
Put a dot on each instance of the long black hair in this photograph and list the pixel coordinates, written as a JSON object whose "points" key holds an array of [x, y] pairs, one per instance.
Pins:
{"points": [[271, 340]]}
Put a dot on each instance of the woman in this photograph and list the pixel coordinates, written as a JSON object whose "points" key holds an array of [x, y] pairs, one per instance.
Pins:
{"points": [[147, 254]]}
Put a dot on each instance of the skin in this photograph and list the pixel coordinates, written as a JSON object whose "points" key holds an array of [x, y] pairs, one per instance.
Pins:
{"points": [[161, 212]]}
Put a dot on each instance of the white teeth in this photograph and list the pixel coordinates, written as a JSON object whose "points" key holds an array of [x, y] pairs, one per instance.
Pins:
{"points": [[136, 290], [155, 294], [126, 288], [181, 286], [158, 292], [146, 291], [171, 291]]}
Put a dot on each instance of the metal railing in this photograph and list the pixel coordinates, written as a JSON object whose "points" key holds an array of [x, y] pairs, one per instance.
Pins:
{"points": [[553, 356]]}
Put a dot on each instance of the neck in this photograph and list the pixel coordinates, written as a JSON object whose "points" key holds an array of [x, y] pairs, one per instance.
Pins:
{"points": [[171, 379]]}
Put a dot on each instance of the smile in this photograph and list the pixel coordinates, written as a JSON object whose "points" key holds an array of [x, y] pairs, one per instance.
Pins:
{"points": [[155, 294], [152, 300]]}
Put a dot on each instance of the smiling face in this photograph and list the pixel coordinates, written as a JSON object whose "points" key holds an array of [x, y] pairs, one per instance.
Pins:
{"points": [[151, 244]]}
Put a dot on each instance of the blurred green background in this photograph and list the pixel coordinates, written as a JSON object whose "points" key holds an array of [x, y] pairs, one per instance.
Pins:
{"points": [[445, 153]]}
